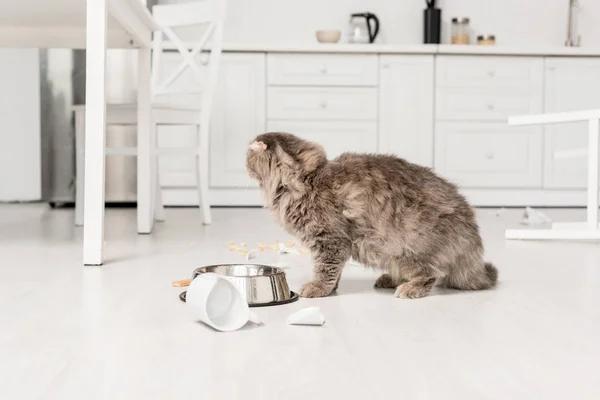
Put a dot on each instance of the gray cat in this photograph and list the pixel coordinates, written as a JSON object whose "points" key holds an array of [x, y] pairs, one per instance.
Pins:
{"points": [[380, 210]]}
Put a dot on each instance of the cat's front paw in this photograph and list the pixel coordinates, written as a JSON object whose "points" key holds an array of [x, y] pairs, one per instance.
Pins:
{"points": [[315, 289]]}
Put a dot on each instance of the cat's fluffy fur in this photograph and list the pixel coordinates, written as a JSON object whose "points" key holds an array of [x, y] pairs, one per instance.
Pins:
{"points": [[380, 210]]}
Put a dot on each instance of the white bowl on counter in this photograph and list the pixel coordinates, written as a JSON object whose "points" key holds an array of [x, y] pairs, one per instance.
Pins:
{"points": [[325, 36]]}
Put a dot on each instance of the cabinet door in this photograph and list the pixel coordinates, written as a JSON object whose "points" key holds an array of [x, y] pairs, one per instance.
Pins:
{"points": [[571, 84], [406, 107], [336, 137], [484, 155], [238, 116]]}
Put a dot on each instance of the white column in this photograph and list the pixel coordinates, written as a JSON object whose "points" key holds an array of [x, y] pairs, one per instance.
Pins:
{"points": [[592, 202], [95, 132], [146, 161]]}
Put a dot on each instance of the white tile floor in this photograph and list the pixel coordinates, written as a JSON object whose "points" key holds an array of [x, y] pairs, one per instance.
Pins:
{"points": [[120, 332]]}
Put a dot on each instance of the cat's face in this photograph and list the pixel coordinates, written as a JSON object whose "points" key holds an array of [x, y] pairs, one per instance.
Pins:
{"points": [[282, 156]]}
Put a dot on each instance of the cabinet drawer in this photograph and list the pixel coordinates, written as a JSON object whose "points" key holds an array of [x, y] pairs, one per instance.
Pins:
{"points": [[335, 136], [489, 71], [322, 103], [489, 155], [332, 70], [457, 104]]}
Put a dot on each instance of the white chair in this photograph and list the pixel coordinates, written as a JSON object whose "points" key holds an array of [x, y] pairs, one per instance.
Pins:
{"points": [[207, 16], [587, 230]]}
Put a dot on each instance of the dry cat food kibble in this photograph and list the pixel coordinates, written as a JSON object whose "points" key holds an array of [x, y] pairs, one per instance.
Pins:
{"points": [[290, 247]]}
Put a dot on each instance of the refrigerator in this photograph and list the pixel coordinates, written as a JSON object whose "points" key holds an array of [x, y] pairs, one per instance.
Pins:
{"points": [[62, 86]]}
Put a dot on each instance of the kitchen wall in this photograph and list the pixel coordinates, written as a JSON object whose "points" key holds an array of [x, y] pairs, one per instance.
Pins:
{"points": [[514, 22], [20, 162]]}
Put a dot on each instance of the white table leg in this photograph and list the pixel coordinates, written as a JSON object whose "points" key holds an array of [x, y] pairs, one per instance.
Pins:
{"points": [[79, 166], [95, 132], [592, 186], [146, 161]]}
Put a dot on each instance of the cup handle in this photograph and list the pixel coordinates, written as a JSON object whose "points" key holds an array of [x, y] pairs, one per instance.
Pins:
{"points": [[252, 317]]}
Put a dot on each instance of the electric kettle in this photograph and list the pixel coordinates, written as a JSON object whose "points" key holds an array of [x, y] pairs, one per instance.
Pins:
{"points": [[361, 30]]}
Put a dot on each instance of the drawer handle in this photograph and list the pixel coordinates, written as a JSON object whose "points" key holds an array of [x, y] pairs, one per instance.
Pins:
{"points": [[492, 74], [489, 155], [323, 69], [323, 104]]}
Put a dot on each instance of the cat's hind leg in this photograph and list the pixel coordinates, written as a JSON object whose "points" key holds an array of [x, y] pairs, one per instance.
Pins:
{"points": [[385, 281], [419, 278], [415, 288], [392, 278]]}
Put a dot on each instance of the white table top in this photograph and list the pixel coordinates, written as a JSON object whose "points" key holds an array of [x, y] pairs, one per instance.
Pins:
{"points": [[61, 23]]}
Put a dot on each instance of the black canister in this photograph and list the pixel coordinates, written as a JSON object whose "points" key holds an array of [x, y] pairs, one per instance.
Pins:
{"points": [[432, 19]]}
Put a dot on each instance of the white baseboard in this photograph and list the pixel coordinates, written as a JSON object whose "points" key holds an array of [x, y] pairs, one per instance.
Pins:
{"points": [[525, 197], [477, 197], [218, 197]]}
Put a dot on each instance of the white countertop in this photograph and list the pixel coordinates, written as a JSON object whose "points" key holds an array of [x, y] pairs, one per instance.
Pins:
{"points": [[412, 49]]}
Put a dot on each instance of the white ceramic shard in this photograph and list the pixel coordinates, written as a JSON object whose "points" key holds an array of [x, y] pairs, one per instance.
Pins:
{"points": [[307, 316], [252, 254], [287, 250], [534, 217]]}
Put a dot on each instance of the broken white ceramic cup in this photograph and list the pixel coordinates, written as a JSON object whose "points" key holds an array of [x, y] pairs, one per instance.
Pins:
{"points": [[218, 303], [307, 316]]}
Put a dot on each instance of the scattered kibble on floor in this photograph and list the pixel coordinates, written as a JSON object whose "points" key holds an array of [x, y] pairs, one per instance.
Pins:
{"points": [[242, 248]]}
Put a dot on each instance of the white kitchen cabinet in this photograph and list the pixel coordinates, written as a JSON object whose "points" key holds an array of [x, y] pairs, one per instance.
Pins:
{"points": [[489, 71], [322, 102], [322, 69], [406, 106], [335, 136], [489, 155], [444, 111], [487, 104], [238, 117], [571, 84]]}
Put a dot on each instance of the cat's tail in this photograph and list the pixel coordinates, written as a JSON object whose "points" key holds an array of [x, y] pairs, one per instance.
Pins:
{"points": [[492, 273], [474, 278]]}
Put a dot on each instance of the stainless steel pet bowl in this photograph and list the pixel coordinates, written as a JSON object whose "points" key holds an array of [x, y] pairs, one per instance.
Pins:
{"points": [[261, 285]]}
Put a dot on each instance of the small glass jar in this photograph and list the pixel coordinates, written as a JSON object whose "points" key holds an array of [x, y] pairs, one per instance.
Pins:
{"points": [[460, 31], [488, 40]]}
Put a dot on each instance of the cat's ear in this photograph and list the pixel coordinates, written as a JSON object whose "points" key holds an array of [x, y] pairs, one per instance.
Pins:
{"points": [[313, 158], [258, 146]]}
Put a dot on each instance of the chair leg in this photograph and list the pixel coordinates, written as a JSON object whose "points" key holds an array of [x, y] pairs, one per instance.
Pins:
{"points": [[145, 144], [79, 166], [159, 210], [202, 172]]}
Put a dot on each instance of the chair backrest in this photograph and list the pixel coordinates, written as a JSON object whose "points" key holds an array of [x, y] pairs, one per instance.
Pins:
{"points": [[207, 14]]}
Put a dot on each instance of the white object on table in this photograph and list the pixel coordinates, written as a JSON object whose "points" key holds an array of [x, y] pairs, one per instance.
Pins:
{"points": [[207, 14], [102, 24], [570, 230]]}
